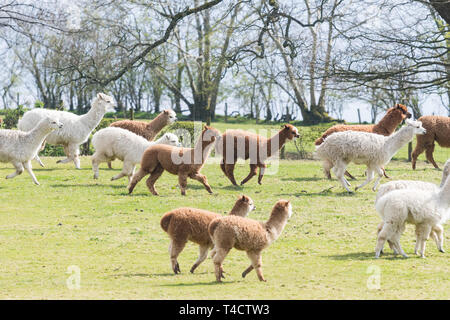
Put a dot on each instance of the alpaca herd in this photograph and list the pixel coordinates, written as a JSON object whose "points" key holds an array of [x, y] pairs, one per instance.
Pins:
{"points": [[423, 204]]}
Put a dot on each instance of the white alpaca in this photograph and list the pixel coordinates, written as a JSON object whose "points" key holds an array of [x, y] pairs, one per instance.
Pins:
{"points": [[373, 150], [76, 128], [437, 232], [425, 209], [19, 147], [117, 143]]}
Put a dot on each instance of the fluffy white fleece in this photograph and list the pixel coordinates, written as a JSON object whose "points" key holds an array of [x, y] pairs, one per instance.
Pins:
{"points": [[373, 150], [425, 209], [19, 147], [117, 143], [76, 129]]}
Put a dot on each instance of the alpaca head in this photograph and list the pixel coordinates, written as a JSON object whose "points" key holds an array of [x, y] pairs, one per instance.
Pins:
{"points": [[170, 115], [416, 125], [210, 134], [52, 124], [290, 131], [402, 110], [246, 204], [445, 172], [104, 103], [170, 139], [283, 208]]}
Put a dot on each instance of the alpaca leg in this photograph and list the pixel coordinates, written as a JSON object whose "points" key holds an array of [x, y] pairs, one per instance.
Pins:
{"points": [[19, 170], [253, 171], [109, 164], [182, 181], [39, 161], [220, 255], [386, 233], [157, 172], [175, 249], [437, 232], [127, 170], [391, 245], [256, 259], [67, 153], [262, 168], [422, 234], [222, 166], [27, 166], [327, 165], [135, 179], [369, 178], [229, 170], [203, 180], [96, 159], [339, 170], [76, 157], [203, 254], [417, 151], [349, 175], [429, 154], [380, 172]]}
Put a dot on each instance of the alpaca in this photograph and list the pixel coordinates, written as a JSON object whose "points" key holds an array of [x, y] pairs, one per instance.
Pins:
{"points": [[373, 150], [19, 147], [438, 129], [111, 143], [386, 126], [241, 144], [425, 209], [190, 224], [248, 235], [76, 129], [437, 232], [148, 130], [184, 162]]}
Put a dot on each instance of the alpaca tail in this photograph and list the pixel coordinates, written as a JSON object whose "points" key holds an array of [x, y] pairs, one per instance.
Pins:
{"points": [[165, 221], [212, 227], [135, 179], [320, 140]]}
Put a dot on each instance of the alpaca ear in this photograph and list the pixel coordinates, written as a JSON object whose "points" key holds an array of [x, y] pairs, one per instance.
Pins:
{"points": [[99, 95], [166, 111], [243, 198]]}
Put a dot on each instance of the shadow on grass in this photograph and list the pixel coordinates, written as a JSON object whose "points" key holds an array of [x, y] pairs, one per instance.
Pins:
{"points": [[364, 256], [302, 179], [325, 193], [86, 185], [193, 284]]}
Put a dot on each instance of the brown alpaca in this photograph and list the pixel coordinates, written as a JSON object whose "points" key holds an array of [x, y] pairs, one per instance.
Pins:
{"points": [[148, 130], [386, 126], [248, 235], [242, 144], [190, 224], [184, 162], [438, 129]]}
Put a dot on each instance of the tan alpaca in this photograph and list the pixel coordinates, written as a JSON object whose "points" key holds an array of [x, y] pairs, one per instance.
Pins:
{"points": [[386, 126], [190, 224], [184, 162], [242, 144], [248, 235], [148, 130]]}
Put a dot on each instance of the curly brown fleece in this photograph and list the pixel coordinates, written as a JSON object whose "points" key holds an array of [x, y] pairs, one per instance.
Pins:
{"points": [[438, 129], [191, 224]]}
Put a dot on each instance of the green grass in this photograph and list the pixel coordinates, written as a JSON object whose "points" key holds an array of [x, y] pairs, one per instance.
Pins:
{"points": [[116, 241]]}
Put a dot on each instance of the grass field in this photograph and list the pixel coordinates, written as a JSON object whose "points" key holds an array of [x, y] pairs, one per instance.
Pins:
{"points": [[325, 252]]}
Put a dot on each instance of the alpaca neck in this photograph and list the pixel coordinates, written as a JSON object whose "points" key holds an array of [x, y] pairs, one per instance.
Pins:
{"points": [[93, 117], [275, 226], [397, 140], [38, 134], [444, 195], [157, 124], [276, 142], [387, 124]]}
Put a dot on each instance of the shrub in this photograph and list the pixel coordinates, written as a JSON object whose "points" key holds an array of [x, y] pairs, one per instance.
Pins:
{"points": [[12, 117], [184, 130]]}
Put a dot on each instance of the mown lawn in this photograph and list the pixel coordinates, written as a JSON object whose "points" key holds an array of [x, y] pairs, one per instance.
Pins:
{"points": [[325, 252]]}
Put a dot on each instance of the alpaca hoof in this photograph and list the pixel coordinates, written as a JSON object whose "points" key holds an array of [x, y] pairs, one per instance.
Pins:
{"points": [[59, 161], [441, 250]]}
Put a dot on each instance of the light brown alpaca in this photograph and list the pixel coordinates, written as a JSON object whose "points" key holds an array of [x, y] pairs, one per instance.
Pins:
{"points": [[184, 162], [148, 130], [242, 144], [386, 126], [248, 235], [438, 129], [190, 224]]}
